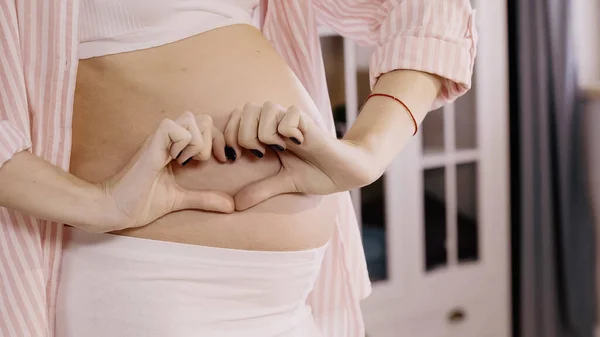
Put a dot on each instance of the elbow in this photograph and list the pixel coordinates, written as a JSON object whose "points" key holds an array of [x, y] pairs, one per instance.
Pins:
{"points": [[369, 174]]}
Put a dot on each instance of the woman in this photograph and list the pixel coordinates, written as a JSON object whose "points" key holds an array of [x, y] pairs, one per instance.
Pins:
{"points": [[128, 129]]}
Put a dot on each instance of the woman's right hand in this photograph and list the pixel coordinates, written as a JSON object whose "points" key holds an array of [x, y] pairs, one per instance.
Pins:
{"points": [[145, 189]]}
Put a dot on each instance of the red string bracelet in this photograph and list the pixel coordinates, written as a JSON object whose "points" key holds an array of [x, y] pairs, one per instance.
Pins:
{"points": [[401, 103]]}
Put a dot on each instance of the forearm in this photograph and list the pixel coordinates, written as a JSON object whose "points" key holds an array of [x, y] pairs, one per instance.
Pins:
{"points": [[383, 126], [35, 187]]}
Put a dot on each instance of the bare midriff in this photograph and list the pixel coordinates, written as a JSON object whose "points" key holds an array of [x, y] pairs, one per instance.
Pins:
{"points": [[121, 99]]}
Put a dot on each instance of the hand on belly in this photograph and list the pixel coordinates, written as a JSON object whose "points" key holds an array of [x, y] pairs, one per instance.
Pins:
{"points": [[183, 152], [287, 222], [145, 189], [296, 154], [312, 160], [229, 177]]}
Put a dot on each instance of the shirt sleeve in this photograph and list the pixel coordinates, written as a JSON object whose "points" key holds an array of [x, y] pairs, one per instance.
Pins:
{"points": [[14, 117], [433, 36]]}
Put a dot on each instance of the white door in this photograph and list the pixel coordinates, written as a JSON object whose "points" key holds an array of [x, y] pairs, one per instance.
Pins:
{"points": [[436, 226]]}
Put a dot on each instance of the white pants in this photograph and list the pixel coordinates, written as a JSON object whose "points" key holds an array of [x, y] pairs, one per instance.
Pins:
{"points": [[116, 286]]}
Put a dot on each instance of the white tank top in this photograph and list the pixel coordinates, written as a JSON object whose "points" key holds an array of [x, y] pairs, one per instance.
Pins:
{"points": [[117, 26]]}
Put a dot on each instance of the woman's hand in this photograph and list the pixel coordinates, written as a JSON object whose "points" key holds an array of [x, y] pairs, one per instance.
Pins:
{"points": [[313, 161], [146, 190]]}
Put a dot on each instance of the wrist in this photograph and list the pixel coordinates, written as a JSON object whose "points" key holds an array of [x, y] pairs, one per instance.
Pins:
{"points": [[381, 131], [100, 213], [35, 187]]}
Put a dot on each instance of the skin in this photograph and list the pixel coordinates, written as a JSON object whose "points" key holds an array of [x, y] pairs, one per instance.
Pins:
{"points": [[322, 164], [129, 123], [121, 99]]}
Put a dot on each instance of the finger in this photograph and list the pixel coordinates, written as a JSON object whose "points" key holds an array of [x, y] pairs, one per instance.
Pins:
{"points": [[196, 145], [289, 126], [213, 201], [231, 135], [248, 131], [218, 141], [262, 190], [205, 125], [170, 137], [270, 116]]}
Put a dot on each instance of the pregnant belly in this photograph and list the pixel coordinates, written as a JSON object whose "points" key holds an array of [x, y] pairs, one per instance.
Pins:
{"points": [[120, 99]]}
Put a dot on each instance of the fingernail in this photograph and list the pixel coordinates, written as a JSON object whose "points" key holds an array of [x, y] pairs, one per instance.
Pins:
{"points": [[295, 140], [230, 153], [257, 153], [186, 162], [277, 148], [179, 155]]}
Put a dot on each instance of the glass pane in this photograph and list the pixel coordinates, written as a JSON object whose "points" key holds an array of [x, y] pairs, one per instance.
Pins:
{"points": [[436, 254], [333, 58], [465, 120], [468, 243], [373, 229], [433, 132]]}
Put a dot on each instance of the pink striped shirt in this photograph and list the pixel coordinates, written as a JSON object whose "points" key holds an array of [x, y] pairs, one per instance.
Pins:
{"points": [[38, 63]]}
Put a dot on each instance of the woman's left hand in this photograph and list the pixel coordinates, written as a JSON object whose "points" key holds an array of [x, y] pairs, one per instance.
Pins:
{"points": [[313, 161]]}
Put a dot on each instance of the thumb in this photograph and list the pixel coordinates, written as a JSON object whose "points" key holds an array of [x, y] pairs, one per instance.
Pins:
{"points": [[205, 200], [261, 190]]}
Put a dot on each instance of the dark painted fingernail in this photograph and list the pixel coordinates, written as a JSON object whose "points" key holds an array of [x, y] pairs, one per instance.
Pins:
{"points": [[179, 155], [277, 148], [230, 153], [186, 162], [295, 140], [257, 153]]}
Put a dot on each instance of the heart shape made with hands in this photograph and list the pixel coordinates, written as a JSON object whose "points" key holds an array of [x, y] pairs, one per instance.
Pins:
{"points": [[313, 161]]}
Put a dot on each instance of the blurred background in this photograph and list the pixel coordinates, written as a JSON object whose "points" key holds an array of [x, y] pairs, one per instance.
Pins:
{"points": [[485, 225]]}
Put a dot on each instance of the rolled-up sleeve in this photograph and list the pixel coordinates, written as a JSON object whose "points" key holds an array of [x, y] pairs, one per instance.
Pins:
{"points": [[14, 115], [433, 36], [12, 141]]}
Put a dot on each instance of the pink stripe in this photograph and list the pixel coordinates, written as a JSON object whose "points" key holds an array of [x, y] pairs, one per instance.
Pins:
{"points": [[11, 69], [297, 18], [280, 34], [38, 45], [62, 81], [4, 320], [26, 47], [9, 140], [34, 234], [50, 108], [31, 284], [12, 292], [11, 310], [10, 16], [30, 249]]}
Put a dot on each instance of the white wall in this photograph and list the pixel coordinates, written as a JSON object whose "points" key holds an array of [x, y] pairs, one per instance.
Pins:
{"points": [[587, 39]]}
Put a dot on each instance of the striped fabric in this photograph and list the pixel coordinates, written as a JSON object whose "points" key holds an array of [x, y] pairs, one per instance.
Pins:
{"points": [[38, 62]]}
